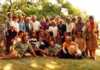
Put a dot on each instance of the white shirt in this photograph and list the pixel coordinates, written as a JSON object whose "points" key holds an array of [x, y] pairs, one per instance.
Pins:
{"points": [[53, 29], [67, 27], [71, 26], [15, 25], [36, 26]]}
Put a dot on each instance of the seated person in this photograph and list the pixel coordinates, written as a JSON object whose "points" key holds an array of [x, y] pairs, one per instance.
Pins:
{"points": [[22, 47], [10, 35], [33, 40], [36, 44], [44, 47], [81, 42], [53, 48], [69, 49], [18, 37]]}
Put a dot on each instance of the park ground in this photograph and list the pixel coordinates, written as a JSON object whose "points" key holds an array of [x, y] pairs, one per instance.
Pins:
{"points": [[48, 63]]}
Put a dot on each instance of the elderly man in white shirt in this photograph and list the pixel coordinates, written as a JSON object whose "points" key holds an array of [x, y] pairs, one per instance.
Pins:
{"points": [[35, 24]]}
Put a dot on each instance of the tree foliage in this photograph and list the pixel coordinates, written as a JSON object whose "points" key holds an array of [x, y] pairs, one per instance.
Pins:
{"points": [[40, 8]]}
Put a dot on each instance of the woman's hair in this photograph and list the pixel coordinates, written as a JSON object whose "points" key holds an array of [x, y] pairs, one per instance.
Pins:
{"points": [[14, 17], [20, 32], [51, 33], [73, 19], [24, 37], [91, 17]]}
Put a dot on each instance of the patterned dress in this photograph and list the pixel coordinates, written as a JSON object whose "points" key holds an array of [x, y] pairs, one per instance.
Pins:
{"points": [[91, 41]]}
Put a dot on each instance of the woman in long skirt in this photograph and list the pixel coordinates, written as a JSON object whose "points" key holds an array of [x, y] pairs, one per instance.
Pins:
{"points": [[91, 40]]}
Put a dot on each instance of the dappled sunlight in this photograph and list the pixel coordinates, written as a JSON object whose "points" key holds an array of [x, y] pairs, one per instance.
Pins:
{"points": [[48, 64], [35, 65], [8, 67], [45, 65], [53, 62], [98, 52], [51, 65]]}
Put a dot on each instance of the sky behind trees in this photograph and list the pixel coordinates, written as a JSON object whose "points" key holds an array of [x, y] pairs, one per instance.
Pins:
{"points": [[90, 6]]}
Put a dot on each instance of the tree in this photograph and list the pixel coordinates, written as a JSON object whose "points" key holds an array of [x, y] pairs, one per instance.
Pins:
{"points": [[71, 9], [40, 8]]}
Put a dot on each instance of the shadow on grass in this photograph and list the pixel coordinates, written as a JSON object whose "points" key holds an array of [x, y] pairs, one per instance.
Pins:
{"points": [[47, 63]]}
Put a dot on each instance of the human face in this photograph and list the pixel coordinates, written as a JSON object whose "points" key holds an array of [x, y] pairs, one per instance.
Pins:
{"points": [[25, 38], [91, 19], [52, 43], [68, 39], [34, 34]]}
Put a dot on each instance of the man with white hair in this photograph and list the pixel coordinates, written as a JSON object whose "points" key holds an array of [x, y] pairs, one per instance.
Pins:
{"points": [[35, 24]]}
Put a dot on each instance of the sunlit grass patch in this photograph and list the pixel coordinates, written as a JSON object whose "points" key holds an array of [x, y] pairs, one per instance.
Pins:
{"points": [[40, 63]]}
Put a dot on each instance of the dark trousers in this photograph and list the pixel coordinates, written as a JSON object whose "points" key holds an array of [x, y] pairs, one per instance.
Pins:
{"points": [[8, 45], [61, 54]]}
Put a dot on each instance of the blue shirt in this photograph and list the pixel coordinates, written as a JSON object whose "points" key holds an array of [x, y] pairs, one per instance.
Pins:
{"points": [[22, 26]]}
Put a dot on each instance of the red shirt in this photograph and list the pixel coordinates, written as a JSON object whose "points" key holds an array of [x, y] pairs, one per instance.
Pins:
{"points": [[90, 26]]}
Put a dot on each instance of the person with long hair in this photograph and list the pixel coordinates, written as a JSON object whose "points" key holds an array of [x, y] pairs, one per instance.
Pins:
{"points": [[91, 39]]}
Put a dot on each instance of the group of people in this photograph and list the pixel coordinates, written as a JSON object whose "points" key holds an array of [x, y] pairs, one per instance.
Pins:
{"points": [[63, 37]]}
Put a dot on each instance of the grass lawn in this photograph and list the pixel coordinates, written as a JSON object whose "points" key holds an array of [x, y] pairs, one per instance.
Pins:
{"points": [[47, 63]]}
